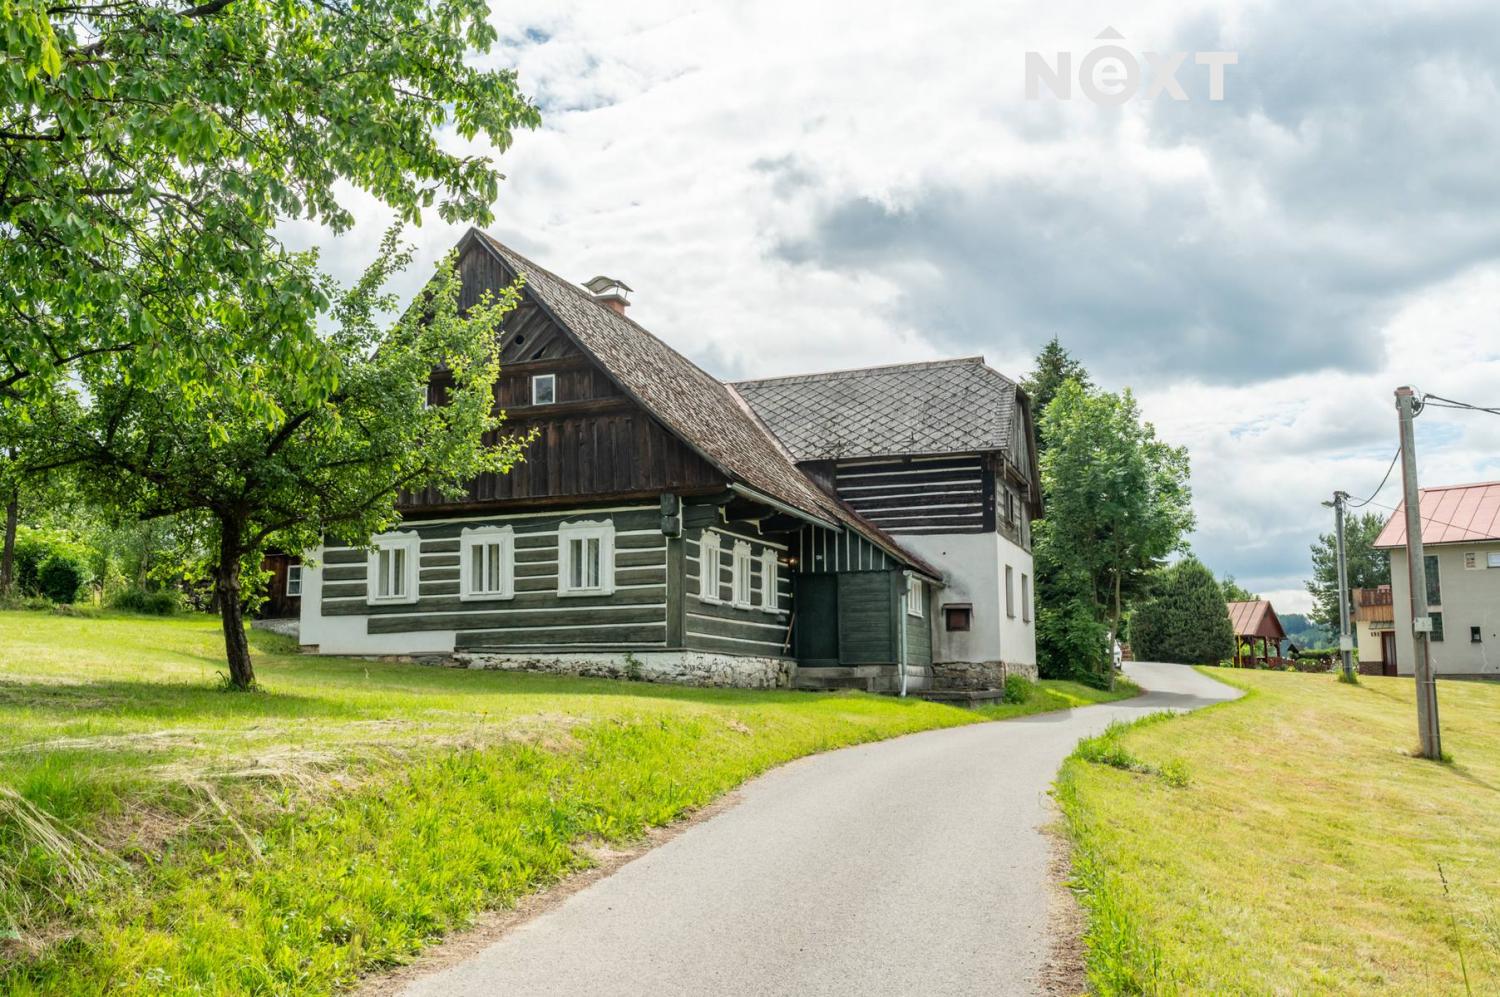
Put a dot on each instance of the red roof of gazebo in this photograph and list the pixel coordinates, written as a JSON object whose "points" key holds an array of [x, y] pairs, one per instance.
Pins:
{"points": [[1255, 618]]}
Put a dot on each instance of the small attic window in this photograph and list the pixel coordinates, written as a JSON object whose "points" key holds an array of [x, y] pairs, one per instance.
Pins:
{"points": [[543, 389]]}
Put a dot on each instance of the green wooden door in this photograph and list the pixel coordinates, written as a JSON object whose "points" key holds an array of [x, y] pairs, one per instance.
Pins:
{"points": [[817, 606]]}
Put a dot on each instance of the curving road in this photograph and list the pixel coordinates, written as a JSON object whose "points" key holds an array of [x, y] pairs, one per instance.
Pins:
{"points": [[912, 866]]}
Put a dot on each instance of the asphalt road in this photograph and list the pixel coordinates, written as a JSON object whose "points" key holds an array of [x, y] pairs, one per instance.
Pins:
{"points": [[911, 866]]}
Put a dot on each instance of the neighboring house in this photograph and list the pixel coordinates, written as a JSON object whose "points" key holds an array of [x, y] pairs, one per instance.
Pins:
{"points": [[1257, 632], [655, 528], [939, 455], [283, 588], [1374, 630], [1461, 547]]}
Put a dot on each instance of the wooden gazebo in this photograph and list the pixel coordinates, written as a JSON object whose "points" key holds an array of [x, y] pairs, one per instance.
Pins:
{"points": [[1255, 622]]}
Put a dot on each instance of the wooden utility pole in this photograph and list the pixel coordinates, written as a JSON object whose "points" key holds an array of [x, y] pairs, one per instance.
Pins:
{"points": [[1346, 641], [1416, 570]]}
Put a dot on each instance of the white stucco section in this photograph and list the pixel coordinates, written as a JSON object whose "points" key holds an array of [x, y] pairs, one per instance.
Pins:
{"points": [[973, 565], [350, 634]]}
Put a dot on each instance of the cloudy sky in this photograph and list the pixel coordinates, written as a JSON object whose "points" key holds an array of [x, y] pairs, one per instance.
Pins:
{"points": [[795, 186]]}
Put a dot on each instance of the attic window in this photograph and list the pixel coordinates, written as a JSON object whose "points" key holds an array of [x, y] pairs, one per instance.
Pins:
{"points": [[543, 389]]}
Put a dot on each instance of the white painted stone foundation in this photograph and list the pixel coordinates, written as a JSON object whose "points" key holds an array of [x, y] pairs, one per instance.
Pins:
{"points": [[694, 668]]}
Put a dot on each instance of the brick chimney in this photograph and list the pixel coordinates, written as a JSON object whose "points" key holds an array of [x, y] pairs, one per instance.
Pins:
{"points": [[611, 293]]}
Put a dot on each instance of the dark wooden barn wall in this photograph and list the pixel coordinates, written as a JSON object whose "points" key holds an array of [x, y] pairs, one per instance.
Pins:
{"points": [[593, 443], [940, 495]]}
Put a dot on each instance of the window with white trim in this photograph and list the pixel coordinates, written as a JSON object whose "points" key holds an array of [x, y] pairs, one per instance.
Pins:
{"points": [[293, 581], [1010, 592], [1025, 598], [392, 571], [586, 559], [708, 567], [916, 596], [543, 389], [487, 563], [744, 584], [1493, 560], [768, 600]]}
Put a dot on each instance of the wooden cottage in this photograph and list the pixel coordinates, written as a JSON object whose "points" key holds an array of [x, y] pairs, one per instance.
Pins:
{"points": [[655, 528]]}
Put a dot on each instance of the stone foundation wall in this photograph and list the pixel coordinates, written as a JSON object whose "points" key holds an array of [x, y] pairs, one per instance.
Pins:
{"points": [[696, 668], [966, 675]]}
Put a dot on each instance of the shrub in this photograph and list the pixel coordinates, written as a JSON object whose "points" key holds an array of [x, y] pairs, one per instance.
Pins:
{"points": [[1072, 643], [1186, 620], [164, 602], [59, 577], [1017, 688]]}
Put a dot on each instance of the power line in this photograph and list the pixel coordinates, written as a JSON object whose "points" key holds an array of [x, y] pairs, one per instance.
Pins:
{"points": [[1438, 401], [1380, 487]]}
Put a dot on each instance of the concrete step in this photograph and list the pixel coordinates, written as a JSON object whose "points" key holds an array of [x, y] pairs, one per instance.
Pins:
{"points": [[970, 698]]}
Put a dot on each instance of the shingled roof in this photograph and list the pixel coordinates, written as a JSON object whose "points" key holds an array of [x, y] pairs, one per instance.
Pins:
{"points": [[690, 402], [943, 406]]}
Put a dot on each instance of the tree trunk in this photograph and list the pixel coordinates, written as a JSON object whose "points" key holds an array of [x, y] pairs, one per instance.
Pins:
{"points": [[231, 608], [8, 558]]}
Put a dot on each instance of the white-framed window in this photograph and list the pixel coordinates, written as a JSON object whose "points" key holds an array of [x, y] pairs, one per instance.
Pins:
{"points": [[916, 596], [586, 558], [487, 563], [1493, 559], [768, 594], [708, 567], [543, 389], [293, 581], [1025, 598], [744, 583], [392, 572], [1010, 591]]}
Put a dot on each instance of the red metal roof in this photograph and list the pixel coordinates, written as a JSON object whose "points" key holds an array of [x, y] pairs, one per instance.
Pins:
{"points": [[1453, 514], [1255, 619]]}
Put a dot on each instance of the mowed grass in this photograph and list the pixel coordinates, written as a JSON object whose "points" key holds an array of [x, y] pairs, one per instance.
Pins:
{"points": [[1302, 856], [158, 835]]}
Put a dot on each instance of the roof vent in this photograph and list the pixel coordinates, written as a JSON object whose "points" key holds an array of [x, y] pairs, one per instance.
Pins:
{"points": [[611, 293]]}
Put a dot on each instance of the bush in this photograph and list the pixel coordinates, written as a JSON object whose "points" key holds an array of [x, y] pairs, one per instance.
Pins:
{"points": [[1072, 643], [138, 600], [35, 547], [1186, 620], [1017, 688], [60, 576]]}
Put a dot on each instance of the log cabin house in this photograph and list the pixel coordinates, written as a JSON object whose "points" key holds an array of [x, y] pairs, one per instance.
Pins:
{"points": [[669, 526]]}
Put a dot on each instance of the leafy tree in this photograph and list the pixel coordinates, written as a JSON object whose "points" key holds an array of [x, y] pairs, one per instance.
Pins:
{"points": [[1368, 567], [149, 149], [1235, 592], [1185, 620], [261, 457], [1054, 366], [1117, 502]]}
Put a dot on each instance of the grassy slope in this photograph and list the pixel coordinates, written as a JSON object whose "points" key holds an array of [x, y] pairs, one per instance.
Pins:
{"points": [[1303, 855], [286, 840]]}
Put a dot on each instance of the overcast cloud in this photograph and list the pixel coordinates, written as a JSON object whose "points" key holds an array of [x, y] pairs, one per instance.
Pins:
{"points": [[796, 186]]}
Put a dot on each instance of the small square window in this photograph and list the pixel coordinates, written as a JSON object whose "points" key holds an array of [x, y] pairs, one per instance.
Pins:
{"points": [[1476, 635], [543, 389], [958, 617], [586, 559], [293, 581], [1493, 560]]}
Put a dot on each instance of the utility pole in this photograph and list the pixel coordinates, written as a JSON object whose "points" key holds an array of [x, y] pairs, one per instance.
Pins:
{"points": [[1346, 642], [1416, 569]]}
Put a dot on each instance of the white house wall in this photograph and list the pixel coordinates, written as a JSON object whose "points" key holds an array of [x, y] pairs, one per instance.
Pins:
{"points": [[973, 565]]}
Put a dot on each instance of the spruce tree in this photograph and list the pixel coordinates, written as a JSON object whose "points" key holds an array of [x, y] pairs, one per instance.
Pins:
{"points": [[1054, 367], [1185, 620]]}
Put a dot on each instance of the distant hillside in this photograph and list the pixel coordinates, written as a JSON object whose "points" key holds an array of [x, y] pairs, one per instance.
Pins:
{"points": [[1305, 633]]}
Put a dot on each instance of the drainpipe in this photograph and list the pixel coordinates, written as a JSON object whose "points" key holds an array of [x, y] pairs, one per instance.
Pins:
{"points": [[901, 629]]}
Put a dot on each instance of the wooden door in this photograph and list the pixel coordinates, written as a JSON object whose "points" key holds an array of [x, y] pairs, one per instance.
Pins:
{"points": [[1388, 652], [817, 607]]}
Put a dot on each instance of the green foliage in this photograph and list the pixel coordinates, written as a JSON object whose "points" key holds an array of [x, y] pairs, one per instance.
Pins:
{"points": [[1235, 592], [162, 602], [1054, 366], [270, 455], [152, 149], [1118, 503], [1185, 620], [1348, 678], [60, 577], [1368, 567], [1018, 688]]}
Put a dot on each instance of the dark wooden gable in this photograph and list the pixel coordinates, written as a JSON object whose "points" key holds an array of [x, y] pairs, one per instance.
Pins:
{"points": [[594, 443]]}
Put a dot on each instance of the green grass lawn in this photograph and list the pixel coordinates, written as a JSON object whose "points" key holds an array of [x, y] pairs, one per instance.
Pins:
{"points": [[158, 835], [1302, 856]]}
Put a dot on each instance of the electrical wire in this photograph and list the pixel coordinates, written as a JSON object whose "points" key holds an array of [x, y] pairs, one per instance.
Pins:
{"points": [[1380, 487], [1438, 401]]}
